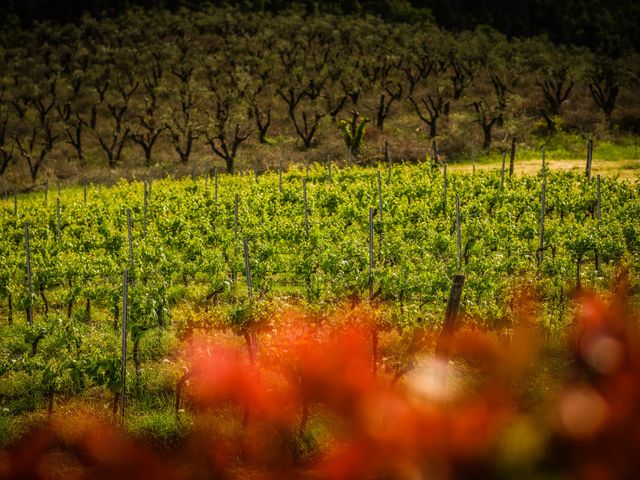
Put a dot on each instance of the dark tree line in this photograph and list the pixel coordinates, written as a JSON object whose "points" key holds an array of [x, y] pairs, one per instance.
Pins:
{"points": [[602, 25]]}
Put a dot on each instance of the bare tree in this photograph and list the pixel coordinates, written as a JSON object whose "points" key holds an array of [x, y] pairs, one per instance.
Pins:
{"points": [[225, 133], [500, 91], [556, 87], [486, 117], [146, 125], [261, 114], [114, 134], [35, 146], [604, 85], [392, 93], [306, 120], [6, 150], [71, 110], [461, 74], [430, 109], [418, 69], [181, 124]]}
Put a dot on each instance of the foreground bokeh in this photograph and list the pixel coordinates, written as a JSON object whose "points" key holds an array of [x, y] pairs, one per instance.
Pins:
{"points": [[310, 406]]}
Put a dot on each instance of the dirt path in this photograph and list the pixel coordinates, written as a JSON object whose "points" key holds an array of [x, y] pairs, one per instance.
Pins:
{"points": [[627, 169]]}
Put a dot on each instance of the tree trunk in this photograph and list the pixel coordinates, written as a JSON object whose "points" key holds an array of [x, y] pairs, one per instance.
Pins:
{"points": [[116, 316], [486, 130], [147, 155], [402, 372], [160, 314], [180, 387], [116, 402], [10, 306], [44, 299], [432, 129], [70, 304], [50, 396]]}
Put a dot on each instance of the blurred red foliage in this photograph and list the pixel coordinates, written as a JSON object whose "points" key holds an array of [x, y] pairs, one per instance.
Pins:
{"points": [[588, 428]]}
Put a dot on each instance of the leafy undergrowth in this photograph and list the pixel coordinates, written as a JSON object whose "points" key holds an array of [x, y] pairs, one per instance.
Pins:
{"points": [[310, 406]]}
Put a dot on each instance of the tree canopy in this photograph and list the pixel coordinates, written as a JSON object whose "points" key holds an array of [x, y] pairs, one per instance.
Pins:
{"points": [[607, 27]]}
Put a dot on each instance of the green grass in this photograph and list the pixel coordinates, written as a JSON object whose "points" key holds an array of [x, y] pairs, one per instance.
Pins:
{"points": [[10, 428], [562, 146], [160, 427]]}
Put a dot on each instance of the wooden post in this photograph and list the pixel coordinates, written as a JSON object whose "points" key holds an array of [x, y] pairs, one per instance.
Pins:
{"points": [[381, 213], [444, 191], [374, 330], [58, 229], [512, 157], [58, 188], [144, 212], [125, 317], [29, 282], [130, 237], [589, 158], [544, 164], [235, 219], [387, 159], [252, 343], [247, 265], [504, 154], [46, 193], [458, 232], [443, 347], [473, 156], [306, 208], [599, 199], [371, 259], [598, 217], [380, 195], [215, 186], [542, 212], [84, 191]]}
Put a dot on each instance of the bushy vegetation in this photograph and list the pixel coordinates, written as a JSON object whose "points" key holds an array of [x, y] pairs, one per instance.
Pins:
{"points": [[597, 24], [310, 239]]}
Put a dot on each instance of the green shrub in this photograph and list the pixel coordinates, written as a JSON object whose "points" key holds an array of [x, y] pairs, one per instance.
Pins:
{"points": [[162, 428]]}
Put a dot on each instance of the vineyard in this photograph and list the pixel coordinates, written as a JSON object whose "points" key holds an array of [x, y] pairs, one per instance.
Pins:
{"points": [[220, 253], [270, 239]]}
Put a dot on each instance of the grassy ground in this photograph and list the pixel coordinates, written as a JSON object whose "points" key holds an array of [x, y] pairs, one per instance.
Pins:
{"points": [[625, 169]]}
